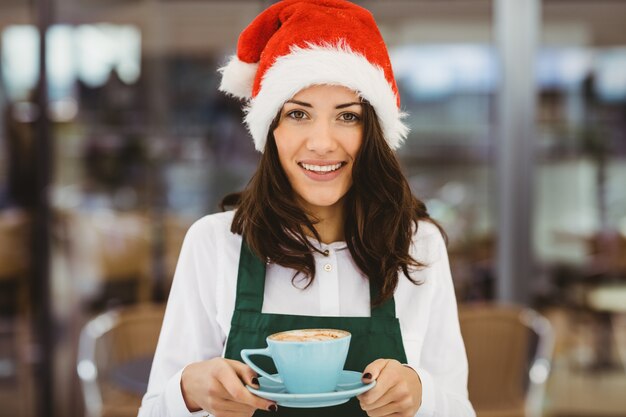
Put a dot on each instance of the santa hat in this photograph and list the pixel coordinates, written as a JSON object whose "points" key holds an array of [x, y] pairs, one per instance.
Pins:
{"points": [[295, 44]]}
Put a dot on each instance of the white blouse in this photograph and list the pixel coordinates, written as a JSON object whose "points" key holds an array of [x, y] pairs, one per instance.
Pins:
{"points": [[202, 301]]}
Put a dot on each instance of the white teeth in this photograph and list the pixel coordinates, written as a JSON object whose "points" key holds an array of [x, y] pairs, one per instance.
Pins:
{"points": [[321, 168]]}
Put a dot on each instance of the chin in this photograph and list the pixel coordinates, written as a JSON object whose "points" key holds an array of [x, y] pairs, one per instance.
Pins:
{"points": [[323, 201]]}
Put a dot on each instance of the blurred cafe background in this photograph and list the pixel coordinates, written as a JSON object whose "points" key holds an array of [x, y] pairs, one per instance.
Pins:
{"points": [[114, 140]]}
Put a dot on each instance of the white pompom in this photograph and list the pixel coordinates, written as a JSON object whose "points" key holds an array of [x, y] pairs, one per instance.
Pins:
{"points": [[238, 77]]}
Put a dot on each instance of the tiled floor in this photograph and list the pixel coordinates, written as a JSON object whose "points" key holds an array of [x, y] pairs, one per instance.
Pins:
{"points": [[586, 394], [577, 387]]}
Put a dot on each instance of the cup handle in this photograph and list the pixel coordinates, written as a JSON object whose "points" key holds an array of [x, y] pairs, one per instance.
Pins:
{"points": [[245, 355]]}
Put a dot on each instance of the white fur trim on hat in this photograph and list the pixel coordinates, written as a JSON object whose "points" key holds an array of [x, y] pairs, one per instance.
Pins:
{"points": [[238, 77], [335, 64]]}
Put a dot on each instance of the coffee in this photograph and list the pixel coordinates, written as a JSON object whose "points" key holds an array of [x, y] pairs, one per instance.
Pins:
{"points": [[308, 335]]}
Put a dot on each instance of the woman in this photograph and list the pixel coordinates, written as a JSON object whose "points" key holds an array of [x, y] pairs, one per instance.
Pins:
{"points": [[326, 235]]}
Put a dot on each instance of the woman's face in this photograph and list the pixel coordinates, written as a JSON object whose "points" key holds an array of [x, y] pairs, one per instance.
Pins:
{"points": [[318, 136]]}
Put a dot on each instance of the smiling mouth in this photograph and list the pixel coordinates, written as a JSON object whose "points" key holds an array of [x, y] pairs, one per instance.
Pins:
{"points": [[322, 169]]}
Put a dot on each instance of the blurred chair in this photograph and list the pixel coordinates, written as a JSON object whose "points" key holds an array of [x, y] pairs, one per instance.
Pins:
{"points": [[124, 255], [619, 335], [17, 376], [15, 227], [509, 350], [16, 373], [111, 253], [114, 358]]}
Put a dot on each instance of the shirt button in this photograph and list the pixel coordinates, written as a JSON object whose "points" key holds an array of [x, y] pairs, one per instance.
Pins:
{"points": [[328, 267]]}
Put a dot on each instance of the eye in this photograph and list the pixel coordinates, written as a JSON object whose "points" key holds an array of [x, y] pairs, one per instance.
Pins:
{"points": [[349, 117], [296, 114]]}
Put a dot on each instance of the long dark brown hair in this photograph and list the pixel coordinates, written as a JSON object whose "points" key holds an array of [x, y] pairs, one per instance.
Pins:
{"points": [[380, 218]]}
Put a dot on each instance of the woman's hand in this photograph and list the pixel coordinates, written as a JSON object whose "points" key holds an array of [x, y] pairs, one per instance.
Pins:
{"points": [[398, 389], [217, 386]]}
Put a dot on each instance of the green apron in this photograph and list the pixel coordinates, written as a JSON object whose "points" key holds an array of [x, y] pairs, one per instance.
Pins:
{"points": [[373, 337]]}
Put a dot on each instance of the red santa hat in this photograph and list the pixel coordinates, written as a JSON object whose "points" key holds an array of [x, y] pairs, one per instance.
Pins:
{"points": [[295, 44]]}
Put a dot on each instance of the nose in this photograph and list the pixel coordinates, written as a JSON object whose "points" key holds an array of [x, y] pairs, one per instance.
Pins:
{"points": [[320, 138]]}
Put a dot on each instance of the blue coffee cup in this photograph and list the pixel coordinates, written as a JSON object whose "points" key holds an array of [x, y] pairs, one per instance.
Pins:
{"points": [[308, 360]]}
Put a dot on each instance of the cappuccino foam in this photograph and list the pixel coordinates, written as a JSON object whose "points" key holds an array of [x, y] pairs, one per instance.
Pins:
{"points": [[309, 335]]}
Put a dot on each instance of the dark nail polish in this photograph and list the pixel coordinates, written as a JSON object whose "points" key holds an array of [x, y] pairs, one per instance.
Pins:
{"points": [[367, 376], [273, 408], [255, 381]]}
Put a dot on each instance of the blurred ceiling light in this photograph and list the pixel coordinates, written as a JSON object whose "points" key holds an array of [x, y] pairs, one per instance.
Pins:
{"points": [[61, 61], [129, 59], [104, 47], [85, 52], [434, 71], [575, 64], [611, 74], [563, 68], [20, 60]]}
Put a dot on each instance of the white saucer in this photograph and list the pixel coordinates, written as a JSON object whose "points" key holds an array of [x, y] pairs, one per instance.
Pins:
{"points": [[349, 386]]}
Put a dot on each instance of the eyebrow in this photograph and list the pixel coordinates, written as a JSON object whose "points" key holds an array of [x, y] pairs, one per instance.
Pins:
{"points": [[343, 106], [304, 104]]}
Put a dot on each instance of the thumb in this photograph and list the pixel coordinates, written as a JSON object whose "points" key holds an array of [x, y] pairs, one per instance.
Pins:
{"points": [[374, 369], [245, 373]]}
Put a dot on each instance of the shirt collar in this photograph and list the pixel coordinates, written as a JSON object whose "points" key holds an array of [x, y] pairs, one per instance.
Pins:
{"points": [[338, 245]]}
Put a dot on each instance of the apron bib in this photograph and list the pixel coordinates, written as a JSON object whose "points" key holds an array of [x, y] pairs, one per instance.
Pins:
{"points": [[373, 337]]}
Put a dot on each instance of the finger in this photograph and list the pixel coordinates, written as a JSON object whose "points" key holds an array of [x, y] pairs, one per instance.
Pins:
{"points": [[389, 397], [373, 370], [385, 380], [375, 394], [239, 393], [245, 373], [386, 410], [230, 405], [232, 413], [381, 402], [236, 407], [219, 405], [388, 414]]}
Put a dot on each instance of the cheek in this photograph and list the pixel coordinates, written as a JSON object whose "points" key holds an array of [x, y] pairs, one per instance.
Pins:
{"points": [[281, 143], [353, 144]]}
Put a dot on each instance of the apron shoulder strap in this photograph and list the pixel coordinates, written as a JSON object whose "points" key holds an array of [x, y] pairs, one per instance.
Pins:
{"points": [[385, 310], [250, 280]]}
